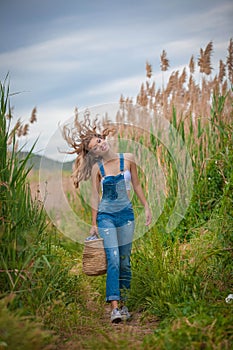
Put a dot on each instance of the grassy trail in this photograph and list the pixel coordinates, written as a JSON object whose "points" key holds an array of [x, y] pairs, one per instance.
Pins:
{"points": [[102, 334]]}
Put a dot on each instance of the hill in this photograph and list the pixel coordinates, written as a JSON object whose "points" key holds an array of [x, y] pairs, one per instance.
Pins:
{"points": [[35, 161]]}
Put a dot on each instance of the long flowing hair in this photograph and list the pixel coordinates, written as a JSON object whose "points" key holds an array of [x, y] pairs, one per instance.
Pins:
{"points": [[78, 137]]}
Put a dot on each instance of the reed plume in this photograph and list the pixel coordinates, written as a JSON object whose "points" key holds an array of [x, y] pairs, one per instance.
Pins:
{"points": [[191, 65], [182, 78], [33, 118], [192, 100], [25, 130], [222, 71], [230, 61], [204, 61], [20, 131], [164, 61], [148, 70]]}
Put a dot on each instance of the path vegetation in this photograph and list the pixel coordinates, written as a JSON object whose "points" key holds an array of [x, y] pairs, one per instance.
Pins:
{"points": [[180, 278]]}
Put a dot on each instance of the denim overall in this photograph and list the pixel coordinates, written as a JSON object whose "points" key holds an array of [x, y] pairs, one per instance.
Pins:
{"points": [[115, 219]]}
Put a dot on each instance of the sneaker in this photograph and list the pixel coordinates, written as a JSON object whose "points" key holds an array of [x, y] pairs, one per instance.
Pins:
{"points": [[125, 315], [116, 316]]}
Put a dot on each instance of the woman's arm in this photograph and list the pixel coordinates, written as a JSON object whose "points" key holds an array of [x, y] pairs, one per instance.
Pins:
{"points": [[95, 179], [138, 188]]}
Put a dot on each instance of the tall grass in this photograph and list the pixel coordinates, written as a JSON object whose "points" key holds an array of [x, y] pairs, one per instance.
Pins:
{"points": [[30, 253], [198, 105], [22, 220], [184, 276]]}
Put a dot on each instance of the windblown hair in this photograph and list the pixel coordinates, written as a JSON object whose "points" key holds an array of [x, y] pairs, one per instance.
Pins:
{"points": [[78, 137]]}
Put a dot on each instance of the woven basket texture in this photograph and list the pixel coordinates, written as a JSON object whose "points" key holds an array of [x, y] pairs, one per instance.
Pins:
{"points": [[94, 258]]}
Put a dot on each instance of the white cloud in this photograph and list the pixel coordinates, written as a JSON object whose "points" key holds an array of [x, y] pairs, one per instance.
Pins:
{"points": [[44, 55], [117, 86]]}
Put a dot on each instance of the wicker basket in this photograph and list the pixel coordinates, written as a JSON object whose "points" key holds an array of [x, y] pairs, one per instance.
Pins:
{"points": [[94, 258]]}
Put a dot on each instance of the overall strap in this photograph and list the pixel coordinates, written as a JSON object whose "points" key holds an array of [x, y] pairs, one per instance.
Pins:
{"points": [[122, 162], [101, 168]]}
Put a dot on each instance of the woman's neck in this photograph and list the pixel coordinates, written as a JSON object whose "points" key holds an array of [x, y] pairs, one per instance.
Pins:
{"points": [[110, 155]]}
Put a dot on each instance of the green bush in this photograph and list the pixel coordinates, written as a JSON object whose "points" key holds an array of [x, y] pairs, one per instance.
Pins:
{"points": [[21, 333], [210, 327]]}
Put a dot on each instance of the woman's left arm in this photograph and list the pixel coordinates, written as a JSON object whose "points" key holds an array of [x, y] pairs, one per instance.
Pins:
{"points": [[138, 188]]}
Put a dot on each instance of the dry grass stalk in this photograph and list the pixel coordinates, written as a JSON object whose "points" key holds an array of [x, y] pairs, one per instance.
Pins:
{"points": [[122, 101], [230, 61], [148, 70], [192, 65], [25, 130], [19, 129], [182, 79], [204, 61], [164, 61], [222, 71], [33, 118], [224, 88]]}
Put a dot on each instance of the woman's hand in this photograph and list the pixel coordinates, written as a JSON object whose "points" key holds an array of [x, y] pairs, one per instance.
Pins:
{"points": [[148, 215], [94, 230]]}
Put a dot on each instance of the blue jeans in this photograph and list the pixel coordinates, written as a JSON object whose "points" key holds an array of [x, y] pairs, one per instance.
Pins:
{"points": [[117, 231]]}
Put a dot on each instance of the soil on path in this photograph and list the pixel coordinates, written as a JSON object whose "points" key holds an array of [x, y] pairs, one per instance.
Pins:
{"points": [[105, 335]]}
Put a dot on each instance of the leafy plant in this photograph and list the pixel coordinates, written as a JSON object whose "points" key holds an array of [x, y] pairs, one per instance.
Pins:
{"points": [[20, 332]]}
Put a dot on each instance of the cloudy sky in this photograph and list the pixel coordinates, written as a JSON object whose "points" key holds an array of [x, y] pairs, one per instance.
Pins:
{"points": [[62, 54]]}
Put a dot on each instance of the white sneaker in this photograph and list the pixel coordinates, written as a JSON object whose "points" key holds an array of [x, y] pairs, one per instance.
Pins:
{"points": [[116, 316], [125, 315]]}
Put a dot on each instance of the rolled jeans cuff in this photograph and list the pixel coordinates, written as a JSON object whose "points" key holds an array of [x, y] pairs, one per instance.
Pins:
{"points": [[113, 297]]}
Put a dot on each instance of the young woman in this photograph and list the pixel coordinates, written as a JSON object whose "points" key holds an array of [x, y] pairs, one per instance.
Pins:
{"points": [[112, 175]]}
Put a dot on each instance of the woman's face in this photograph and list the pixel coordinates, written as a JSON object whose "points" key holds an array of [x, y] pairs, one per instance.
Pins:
{"points": [[98, 146]]}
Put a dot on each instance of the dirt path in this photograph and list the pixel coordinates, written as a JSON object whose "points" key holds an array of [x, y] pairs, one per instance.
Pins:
{"points": [[105, 335]]}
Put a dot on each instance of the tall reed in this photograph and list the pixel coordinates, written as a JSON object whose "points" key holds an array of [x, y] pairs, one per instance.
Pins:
{"points": [[34, 265], [22, 219], [199, 107]]}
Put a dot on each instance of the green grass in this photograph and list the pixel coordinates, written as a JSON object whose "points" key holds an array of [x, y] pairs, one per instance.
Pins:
{"points": [[20, 332], [205, 327]]}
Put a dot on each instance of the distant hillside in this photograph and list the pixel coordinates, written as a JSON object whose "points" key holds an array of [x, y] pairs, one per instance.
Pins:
{"points": [[48, 164]]}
